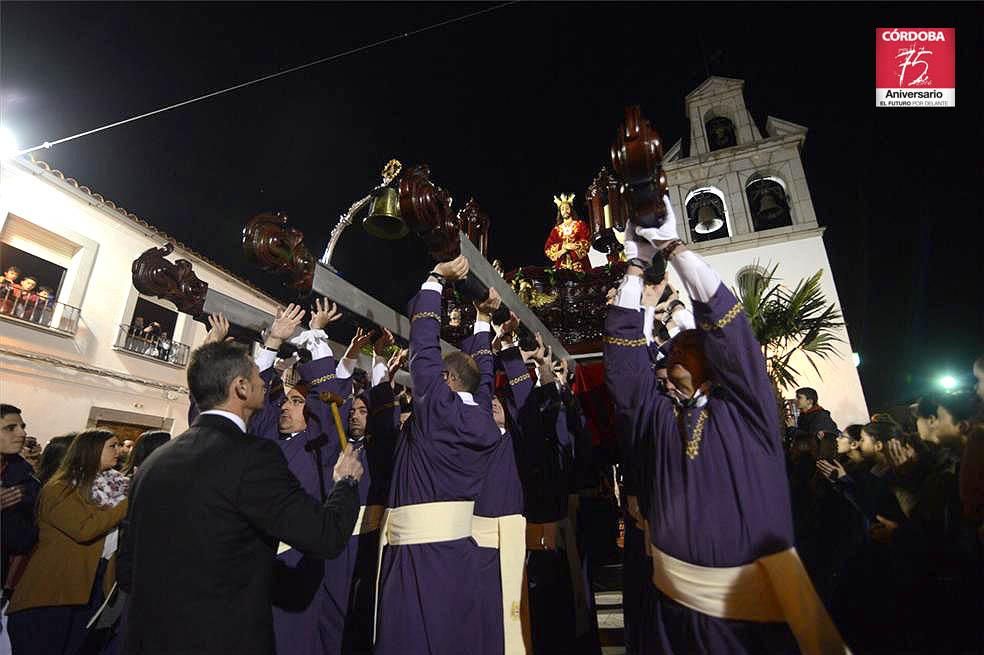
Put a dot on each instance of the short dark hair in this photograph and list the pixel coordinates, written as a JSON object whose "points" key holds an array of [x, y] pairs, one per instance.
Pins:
{"points": [[926, 407], [8, 409], [12, 268], [854, 432], [961, 405], [883, 431], [147, 443], [809, 393], [213, 368], [464, 368]]}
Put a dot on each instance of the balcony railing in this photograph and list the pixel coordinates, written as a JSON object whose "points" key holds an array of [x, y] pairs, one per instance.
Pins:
{"points": [[38, 311], [133, 340]]}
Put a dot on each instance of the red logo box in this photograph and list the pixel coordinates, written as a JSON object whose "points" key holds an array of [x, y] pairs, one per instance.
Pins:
{"points": [[915, 67]]}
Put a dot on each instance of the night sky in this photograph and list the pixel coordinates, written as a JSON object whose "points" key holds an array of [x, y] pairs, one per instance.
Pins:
{"points": [[512, 107]]}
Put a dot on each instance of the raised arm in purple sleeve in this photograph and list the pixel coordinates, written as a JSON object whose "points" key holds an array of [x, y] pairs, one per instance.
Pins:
{"points": [[733, 353]]}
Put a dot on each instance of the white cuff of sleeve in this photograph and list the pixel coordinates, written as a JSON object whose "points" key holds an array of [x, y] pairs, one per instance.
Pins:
{"points": [[430, 285], [264, 359], [379, 373], [345, 368], [684, 319], [700, 280], [647, 323], [629, 292], [316, 341], [482, 326]]}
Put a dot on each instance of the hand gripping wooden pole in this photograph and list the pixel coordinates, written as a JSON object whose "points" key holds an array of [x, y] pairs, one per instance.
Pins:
{"points": [[335, 401]]}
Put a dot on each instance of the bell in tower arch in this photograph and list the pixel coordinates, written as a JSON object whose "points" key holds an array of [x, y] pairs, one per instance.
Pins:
{"points": [[720, 133], [768, 204]]}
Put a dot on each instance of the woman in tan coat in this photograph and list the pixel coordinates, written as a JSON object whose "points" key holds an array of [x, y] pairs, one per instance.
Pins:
{"points": [[72, 566]]}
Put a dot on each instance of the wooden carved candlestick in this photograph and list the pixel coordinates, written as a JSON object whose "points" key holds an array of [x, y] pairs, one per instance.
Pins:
{"points": [[606, 210], [426, 208], [637, 157], [153, 275], [274, 246]]}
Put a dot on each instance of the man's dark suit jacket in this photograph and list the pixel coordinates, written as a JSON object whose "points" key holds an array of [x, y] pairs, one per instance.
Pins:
{"points": [[197, 551]]}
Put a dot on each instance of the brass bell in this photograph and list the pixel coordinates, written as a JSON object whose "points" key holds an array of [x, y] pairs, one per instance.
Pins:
{"points": [[707, 220], [383, 220], [769, 207]]}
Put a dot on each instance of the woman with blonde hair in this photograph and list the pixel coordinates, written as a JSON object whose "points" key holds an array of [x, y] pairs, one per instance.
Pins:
{"points": [[73, 563]]}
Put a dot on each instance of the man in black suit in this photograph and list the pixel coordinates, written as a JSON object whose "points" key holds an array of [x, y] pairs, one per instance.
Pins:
{"points": [[206, 513]]}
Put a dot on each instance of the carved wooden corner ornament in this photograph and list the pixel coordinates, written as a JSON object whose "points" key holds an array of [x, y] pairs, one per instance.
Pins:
{"points": [[274, 246], [637, 157], [153, 275], [475, 223]]}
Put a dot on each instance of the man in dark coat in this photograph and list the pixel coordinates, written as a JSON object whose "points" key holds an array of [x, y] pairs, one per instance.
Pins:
{"points": [[812, 418], [206, 513], [19, 495]]}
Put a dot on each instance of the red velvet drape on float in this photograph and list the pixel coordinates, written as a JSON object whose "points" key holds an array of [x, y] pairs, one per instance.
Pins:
{"points": [[599, 410]]}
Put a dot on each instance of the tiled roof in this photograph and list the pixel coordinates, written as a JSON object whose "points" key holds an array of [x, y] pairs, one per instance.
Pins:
{"points": [[133, 218]]}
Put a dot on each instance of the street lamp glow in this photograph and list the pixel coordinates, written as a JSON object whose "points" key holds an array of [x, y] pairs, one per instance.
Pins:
{"points": [[8, 144], [948, 382]]}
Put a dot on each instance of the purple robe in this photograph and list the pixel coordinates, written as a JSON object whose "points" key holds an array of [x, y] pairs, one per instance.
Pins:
{"points": [[310, 595], [501, 495], [427, 603], [728, 505]]}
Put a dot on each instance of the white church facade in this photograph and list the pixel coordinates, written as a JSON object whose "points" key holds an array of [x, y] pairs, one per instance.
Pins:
{"points": [[755, 188]]}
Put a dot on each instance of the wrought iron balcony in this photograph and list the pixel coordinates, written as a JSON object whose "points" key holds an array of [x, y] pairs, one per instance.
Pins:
{"points": [[37, 311], [136, 341]]}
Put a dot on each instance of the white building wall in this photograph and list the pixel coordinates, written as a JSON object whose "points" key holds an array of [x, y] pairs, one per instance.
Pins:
{"points": [[58, 399]]}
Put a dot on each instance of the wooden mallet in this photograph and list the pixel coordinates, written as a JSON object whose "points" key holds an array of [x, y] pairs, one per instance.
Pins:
{"points": [[335, 401]]}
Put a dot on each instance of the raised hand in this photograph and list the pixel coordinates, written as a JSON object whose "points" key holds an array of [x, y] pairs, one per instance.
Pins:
{"points": [[348, 465], [833, 469], [218, 328], [361, 339], [323, 313], [395, 363], [10, 496], [284, 325], [383, 342], [507, 328], [456, 269], [535, 355], [561, 369], [489, 305], [899, 455]]}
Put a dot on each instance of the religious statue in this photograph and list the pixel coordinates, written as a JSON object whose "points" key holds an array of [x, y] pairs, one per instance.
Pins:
{"points": [[569, 240]]}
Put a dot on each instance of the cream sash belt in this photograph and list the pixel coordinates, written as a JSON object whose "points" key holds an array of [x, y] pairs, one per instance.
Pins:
{"points": [[508, 535], [775, 588], [368, 521], [424, 523]]}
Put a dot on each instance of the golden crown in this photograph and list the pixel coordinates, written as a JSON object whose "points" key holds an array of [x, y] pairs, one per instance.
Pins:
{"points": [[564, 200]]}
